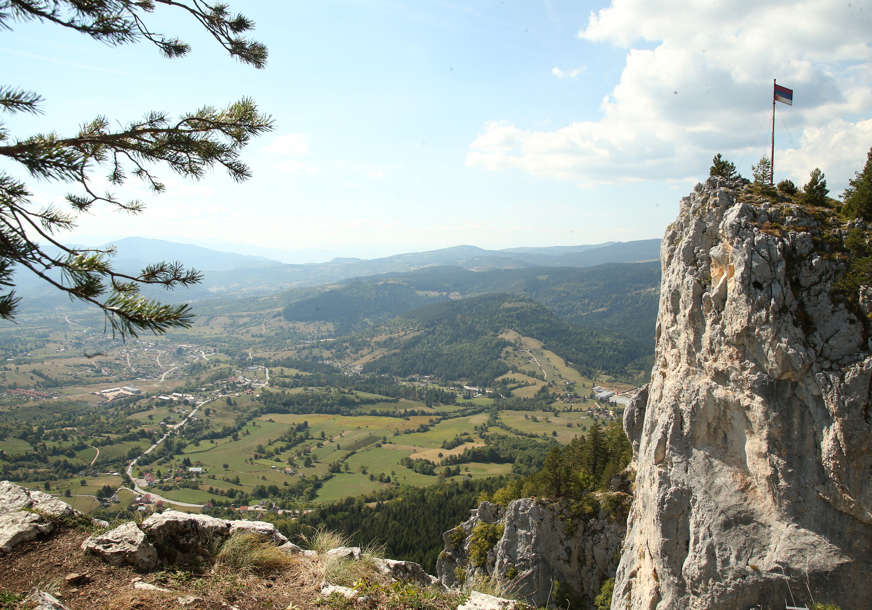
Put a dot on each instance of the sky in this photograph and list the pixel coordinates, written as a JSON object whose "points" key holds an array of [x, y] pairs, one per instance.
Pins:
{"points": [[408, 126]]}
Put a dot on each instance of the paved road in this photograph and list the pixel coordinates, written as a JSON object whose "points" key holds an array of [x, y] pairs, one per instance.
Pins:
{"points": [[170, 429], [165, 373]]}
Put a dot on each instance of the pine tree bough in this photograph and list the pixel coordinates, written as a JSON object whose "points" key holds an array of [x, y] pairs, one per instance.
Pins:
{"points": [[189, 145]]}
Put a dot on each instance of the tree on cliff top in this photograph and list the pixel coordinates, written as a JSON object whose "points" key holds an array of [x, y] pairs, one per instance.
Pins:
{"points": [[723, 168], [189, 145], [858, 195], [815, 190]]}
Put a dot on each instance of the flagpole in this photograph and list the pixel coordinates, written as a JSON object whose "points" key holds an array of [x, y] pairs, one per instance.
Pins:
{"points": [[772, 143]]}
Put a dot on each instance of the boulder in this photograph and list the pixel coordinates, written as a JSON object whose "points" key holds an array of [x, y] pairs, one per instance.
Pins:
{"points": [[15, 497], [124, 545], [292, 549], [540, 545], [483, 601], [40, 600], [183, 538], [406, 571], [344, 552], [20, 526], [26, 513], [261, 528]]}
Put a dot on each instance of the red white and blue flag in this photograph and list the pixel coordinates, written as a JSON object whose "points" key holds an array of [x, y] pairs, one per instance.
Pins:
{"points": [[784, 95]]}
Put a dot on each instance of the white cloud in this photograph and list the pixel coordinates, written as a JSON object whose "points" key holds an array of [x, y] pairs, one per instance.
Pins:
{"points": [[286, 152], [290, 144], [568, 73], [698, 80], [295, 166]]}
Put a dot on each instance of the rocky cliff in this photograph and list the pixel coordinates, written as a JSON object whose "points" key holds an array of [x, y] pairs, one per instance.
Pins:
{"points": [[753, 439], [535, 550]]}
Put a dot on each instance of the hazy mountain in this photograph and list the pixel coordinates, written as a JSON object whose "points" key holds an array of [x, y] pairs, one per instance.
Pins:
{"points": [[137, 252], [228, 273]]}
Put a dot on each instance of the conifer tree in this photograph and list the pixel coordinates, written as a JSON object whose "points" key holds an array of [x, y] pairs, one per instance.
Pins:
{"points": [[723, 168], [858, 195], [762, 171], [189, 145], [815, 190]]}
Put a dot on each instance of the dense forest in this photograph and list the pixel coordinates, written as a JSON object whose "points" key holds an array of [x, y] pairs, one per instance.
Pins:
{"points": [[619, 297], [460, 340]]}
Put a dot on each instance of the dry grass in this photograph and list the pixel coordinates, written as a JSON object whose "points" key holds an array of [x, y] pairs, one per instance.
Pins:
{"points": [[324, 540], [247, 552]]}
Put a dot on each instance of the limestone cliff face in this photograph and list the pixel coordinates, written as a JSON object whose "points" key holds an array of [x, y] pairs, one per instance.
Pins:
{"points": [[537, 551], [753, 439]]}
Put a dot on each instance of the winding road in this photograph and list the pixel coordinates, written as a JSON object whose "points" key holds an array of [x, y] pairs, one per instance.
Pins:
{"points": [[170, 429], [137, 483]]}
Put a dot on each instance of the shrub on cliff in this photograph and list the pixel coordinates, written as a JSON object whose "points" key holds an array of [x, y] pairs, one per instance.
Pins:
{"points": [[858, 195]]}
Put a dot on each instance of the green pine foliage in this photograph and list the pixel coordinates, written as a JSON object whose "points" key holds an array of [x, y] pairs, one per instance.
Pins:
{"points": [[188, 145], [722, 168], [787, 187], [460, 340], [408, 525], [586, 464], [814, 193], [858, 196], [762, 171], [603, 601]]}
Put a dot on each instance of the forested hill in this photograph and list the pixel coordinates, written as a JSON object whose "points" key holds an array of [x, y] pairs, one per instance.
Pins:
{"points": [[621, 297], [461, 340]]}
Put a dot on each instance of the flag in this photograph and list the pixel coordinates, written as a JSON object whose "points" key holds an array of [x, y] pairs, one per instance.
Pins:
{"points": [[784, 95]]}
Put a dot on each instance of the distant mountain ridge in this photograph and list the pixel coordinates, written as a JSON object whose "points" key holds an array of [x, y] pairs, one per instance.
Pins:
{"points": [[620, 297], [227, 274]]}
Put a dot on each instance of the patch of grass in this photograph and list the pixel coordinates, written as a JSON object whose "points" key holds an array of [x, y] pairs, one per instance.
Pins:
{"points": [[9, 599], [507, 589], [323, 540], [346, 572], [247, 552], [399, 595], [483, 538]]}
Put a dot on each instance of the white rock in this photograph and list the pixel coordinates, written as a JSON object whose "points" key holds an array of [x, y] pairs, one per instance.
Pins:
{"points": [[753, 448], [344, 552], [20, 526], [262, 528], [346, 592], [292, 549], [483, 601], [187, 600], [40, 600], [406, 571], [145, 586], [124, 545], [185, 538]]}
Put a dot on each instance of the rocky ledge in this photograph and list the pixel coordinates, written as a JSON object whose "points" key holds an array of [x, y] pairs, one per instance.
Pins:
{"points": [[534, 548], [754, 437], [27, 513]]}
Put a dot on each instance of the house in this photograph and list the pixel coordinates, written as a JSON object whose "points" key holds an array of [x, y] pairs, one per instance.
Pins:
{"points": [[195, 469]]}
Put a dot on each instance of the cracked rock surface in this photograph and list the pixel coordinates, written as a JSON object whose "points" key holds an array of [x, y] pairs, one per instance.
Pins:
{"points": [[753, 440]]}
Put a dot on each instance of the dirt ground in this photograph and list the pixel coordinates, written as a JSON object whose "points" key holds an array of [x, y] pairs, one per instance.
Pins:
{"points": [[45, 564]]}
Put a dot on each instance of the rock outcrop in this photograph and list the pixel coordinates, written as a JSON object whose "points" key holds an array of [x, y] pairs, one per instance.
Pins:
{"points": [[124, 545], [535, 548], [27, 513], [175, 538], [753, 440]]}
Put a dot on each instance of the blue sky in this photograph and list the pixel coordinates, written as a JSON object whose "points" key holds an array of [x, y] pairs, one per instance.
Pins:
{"points": [[417, 125]]}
